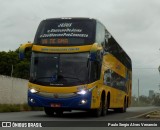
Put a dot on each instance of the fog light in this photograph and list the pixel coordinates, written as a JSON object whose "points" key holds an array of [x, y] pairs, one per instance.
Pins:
{"points": [[83, 101], [32, 100]]}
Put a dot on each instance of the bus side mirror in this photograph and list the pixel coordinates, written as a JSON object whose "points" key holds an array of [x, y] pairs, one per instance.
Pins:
{"points": [[21, 56], [95, 56], [22, 50], [92, 56]]}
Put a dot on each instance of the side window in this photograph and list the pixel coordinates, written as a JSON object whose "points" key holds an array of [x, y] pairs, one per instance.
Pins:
{"points": [[114, 80], [100, 33], [107, 78], [94, 72], [107, 37]]}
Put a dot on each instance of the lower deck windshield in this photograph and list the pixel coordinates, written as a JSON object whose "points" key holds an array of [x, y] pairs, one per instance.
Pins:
{"points": [[59, 69]]}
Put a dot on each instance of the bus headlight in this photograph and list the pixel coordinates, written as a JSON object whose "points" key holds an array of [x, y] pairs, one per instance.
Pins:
{"points": [[82, 92], [32, 90]]}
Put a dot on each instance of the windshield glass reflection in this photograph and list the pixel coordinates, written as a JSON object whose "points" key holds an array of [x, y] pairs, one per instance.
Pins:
{"points": [[59, 69]]}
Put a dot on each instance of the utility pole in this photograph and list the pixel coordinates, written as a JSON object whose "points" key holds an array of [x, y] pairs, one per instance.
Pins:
{"points": [[138, 91], [12, 85], [12, 71], [159, 74]]}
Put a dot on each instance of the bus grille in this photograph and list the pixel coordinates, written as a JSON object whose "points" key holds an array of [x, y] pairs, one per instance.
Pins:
{"points": [[57, 95]]}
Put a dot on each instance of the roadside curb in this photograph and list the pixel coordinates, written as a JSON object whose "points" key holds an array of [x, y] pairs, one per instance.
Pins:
{"points": [[147, 115], [155, 115]]}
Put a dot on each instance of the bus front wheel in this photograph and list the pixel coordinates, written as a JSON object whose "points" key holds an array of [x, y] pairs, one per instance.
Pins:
{"points": [[101, 111], [59, 113], [49, 111]]}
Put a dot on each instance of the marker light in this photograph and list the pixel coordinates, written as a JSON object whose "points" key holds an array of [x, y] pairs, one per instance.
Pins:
{"points": [[82, 92], [83, 101], [32, 90]]}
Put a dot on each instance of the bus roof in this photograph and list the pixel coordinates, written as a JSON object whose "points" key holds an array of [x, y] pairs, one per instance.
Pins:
{"points": [[70, 18]]}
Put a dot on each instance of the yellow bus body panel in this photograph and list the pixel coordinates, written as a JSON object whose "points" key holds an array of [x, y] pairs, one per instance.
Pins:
{"points": [[109, 62], [71, 49], [57, 89]]}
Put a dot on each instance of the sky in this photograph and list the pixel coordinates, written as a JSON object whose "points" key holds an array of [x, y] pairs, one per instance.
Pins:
{"points": [[135, 24]]}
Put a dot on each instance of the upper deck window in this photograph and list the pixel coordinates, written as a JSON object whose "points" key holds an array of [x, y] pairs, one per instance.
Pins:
{"points": [[100, 33], [64, 32]]}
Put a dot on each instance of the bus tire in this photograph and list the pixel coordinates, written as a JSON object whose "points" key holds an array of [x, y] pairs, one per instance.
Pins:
{"points": [[49, 111], [104, 108], [98, 112], [123, 109], [125, 106], [59, 113]]}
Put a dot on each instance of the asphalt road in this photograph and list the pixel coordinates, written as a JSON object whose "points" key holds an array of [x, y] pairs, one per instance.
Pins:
{"points": [[130, 115]]}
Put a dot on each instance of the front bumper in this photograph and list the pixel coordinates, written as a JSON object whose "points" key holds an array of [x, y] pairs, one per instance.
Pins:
{"points": [[74, 102]]}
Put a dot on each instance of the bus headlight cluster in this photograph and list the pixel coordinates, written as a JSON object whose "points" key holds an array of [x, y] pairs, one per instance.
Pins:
{"points": [[32, 90], [82, 92]]}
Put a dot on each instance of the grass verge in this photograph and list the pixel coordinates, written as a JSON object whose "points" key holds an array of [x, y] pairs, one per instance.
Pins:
{"points": [[18, 108]]}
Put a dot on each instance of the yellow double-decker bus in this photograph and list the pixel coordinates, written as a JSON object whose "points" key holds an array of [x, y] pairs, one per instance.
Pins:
{"points": [[76, 64]]}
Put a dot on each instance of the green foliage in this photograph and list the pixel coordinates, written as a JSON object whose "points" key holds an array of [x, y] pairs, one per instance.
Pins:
{"points": [[146, 101], [156, 100], [18, 107], [8, 108], [20, 68]]}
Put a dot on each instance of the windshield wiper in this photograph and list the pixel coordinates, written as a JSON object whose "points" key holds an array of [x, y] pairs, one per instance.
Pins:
{"points": [[42, 78], [61, 76], [52, 79]]}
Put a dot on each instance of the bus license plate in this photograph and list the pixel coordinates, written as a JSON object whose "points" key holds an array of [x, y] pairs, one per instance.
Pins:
{"points": [[55, 105]]}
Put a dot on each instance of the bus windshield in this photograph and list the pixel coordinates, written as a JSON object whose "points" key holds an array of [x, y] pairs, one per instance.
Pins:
{"points": [[65, 32], [59, 69]]}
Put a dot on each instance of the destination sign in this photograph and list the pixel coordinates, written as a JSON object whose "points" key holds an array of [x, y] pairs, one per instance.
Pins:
{"points": [[61, 41], [65, 32], [55, 41]]}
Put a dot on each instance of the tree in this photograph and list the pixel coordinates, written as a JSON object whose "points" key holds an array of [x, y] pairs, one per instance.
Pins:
{"points": [[156, 100], [21, 68]]}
